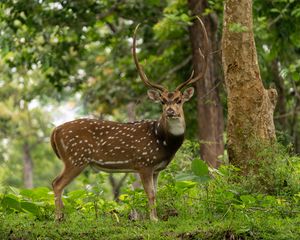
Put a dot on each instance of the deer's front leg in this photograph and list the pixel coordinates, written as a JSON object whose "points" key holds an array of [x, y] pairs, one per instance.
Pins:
{"points": [[147, 181], [155, 179]]}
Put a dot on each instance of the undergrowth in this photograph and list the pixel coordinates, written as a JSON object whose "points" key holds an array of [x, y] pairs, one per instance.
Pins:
{"points": [[193, 202]]}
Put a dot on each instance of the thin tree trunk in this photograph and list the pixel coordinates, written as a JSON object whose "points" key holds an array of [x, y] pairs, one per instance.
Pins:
{"points": [[294, 126], [210, 114], [281, 104], [116, 185], [250, 105], [28, 166]]}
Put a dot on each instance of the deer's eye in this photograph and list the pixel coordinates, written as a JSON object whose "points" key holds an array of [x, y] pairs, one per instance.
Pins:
{"points": [[177, 100], [164, 101]]}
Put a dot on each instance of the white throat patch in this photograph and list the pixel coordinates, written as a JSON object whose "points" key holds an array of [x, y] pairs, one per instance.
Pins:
{"points": [[175, 126]]}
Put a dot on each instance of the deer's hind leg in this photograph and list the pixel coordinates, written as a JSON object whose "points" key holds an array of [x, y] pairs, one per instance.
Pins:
{"points": [[59, 183]]}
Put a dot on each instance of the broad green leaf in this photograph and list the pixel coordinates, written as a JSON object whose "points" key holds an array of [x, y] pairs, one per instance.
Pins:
{"points": [[268, 201], [74, 195], [11, 202], [199, 168], [203, 179], [40, 193], [30, 207], [185, 184], [185, 177], [28, 193], [248, 199]]}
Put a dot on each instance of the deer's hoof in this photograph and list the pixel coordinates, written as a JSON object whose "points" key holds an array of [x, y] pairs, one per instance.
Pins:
{"points": [[59, 217], [154, 218], [134, 215]]}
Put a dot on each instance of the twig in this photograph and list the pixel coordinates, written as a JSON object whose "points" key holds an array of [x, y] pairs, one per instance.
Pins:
{"points": [[176, 68], [110, 11], [275, 20], [211, 90], [287, 114]]}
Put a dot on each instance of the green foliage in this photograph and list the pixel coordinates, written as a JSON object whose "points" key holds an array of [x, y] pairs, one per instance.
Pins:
{"points": [[276, 173], [37, 202], [199, 172], [276, 32], [51, 50], [235, 206]]}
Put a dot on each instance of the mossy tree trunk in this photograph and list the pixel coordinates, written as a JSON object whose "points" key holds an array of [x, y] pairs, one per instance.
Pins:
{"points": [[250, 105]]}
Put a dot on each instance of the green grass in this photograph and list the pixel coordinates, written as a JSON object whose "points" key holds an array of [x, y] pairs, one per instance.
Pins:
{"points": [[254, 225]]}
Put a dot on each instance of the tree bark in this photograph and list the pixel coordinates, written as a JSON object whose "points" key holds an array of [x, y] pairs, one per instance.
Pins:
{"points": [[209, 109], [250, 105], [28, 166]]}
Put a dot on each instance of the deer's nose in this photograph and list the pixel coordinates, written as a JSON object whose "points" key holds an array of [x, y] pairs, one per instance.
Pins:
{"points": [[170, 112]]}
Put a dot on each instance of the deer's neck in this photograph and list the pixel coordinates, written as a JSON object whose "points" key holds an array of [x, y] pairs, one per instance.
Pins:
{"points": [[172, 132], [175, 127]]}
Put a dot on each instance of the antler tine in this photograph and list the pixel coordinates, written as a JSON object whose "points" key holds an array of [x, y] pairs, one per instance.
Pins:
{"points": [[204, 58], [139, 67]]}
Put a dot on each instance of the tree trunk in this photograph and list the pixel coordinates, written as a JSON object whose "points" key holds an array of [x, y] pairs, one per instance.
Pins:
{"points": [[116, 185], [294, 133], [210, 115], [250, 105], [28, 166], [281, 104]]}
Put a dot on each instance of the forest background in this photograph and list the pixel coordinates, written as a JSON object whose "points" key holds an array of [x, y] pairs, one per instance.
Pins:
{"points": [[62, 60]]}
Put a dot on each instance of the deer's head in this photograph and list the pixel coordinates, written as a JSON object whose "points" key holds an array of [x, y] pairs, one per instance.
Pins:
{"points": [[172, 101]]}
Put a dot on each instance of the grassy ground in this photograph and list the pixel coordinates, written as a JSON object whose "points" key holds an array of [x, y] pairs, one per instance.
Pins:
{"points": [[263, 205], [77, 226]]}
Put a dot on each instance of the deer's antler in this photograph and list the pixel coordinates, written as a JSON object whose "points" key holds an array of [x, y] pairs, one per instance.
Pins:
{"points": [[139, 67]]}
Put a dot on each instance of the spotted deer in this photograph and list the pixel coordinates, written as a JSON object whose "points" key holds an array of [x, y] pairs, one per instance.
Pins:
{"points": [[145, 147]]}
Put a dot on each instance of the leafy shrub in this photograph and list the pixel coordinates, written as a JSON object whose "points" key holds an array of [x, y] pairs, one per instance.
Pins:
{"points": [[37, 202], [276, 173]]}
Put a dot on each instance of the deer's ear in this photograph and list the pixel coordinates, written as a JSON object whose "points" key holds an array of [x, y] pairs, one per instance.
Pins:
{"points": [[187, 94], [154, 95]]}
